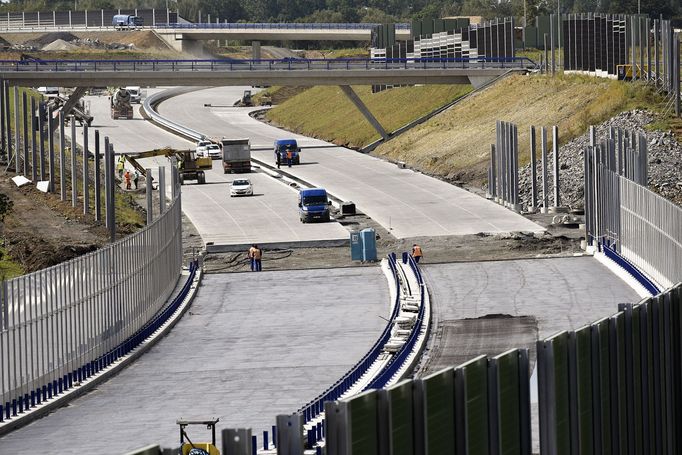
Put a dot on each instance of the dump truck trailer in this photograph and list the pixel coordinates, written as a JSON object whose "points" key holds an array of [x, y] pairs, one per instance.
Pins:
{"points": [[236, 155]]}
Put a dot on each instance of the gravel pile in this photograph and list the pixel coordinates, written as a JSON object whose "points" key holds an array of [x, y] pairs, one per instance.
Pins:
{"points": [[665, 162]]}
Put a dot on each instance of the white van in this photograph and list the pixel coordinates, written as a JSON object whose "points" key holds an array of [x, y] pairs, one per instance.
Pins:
{"points": [[135, 94]]}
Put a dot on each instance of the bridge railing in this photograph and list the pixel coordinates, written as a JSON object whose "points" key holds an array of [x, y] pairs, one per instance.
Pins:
{"points": [[63, 324], [287, 64], [275, 26]]}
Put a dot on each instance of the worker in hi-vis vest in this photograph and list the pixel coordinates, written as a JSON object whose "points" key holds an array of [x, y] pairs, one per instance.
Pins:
{"points": [[417, 252]]}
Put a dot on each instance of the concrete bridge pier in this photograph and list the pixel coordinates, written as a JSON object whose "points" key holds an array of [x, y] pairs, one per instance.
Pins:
{"points": [[255, 50]]}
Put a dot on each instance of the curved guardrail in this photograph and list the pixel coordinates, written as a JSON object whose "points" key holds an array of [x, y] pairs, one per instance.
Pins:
{"points": [[315, 407], [373, 371], [149, 110]]}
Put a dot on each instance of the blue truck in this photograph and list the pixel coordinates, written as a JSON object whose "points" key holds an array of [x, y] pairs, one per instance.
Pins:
{"points": [[282, 146], [313, 205], [121, 21]]}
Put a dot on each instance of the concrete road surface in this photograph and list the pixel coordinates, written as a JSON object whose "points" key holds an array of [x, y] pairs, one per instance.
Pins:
{"points": [[408, 203], [269, 218], [253, 345]]}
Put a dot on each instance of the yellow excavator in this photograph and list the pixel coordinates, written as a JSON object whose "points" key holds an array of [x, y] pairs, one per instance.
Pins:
{"points": [[189, 166]]}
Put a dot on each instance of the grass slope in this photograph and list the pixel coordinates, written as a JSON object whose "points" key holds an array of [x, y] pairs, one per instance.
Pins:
{"points": [[456, 143], [325, 112]]}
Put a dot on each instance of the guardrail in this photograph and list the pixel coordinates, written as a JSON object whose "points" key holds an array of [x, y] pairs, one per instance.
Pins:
{"points": [[287, 64], [148, 107], [277, 26], [61, 325], [383, 365], [315, 407]]}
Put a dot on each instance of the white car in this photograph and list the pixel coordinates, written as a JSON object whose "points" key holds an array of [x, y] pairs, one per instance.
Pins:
{"points": [[214, 151], [135, 94], [241, 187], [201, 148]]}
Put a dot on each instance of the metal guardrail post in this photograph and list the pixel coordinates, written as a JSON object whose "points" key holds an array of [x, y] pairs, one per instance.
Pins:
{"points": [[533, 171], [34, 143], [555, 147]]}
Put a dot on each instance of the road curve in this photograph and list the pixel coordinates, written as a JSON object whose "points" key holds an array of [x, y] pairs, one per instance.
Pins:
{"points": [[253, 345], [409, 204]]}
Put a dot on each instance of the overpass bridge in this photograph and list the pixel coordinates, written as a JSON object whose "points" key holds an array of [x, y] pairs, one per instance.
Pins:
{"points": [[97, 73]]}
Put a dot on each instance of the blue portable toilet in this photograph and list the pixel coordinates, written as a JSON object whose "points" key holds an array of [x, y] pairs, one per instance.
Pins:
{"points": [[355, 246], [369, 245]]}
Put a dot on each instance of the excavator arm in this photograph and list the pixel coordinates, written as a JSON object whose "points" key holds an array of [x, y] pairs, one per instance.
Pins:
{"points": [[133, 157]]}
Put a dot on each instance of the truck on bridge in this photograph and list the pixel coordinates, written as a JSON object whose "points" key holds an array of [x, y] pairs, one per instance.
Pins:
{"points": [[125, 21]]}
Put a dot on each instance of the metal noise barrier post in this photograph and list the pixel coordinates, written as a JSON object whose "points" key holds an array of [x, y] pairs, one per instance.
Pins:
{"points": [[61, 325], [504, 172]]}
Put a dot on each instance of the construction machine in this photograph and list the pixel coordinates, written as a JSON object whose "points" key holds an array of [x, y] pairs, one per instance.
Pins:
{"points": [[120, 104], [189, 166], [246, 99], [81, 111], [188, 447]]}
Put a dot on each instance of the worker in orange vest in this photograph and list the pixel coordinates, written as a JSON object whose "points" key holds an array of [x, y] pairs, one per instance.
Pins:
{"points": [[290, 157], [252, 257], [416, 253], [127, 178], [257, 255]]}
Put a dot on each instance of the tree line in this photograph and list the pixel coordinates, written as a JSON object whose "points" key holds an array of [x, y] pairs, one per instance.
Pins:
{"points": [[376, 11]]}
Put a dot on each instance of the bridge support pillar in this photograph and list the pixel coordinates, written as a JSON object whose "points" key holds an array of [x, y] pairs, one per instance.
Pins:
{"points": [[350, 93], [255, 50]]}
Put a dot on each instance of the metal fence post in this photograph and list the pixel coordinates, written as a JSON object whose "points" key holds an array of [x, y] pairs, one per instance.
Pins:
{"points": [[162, 190], [545, 182], [555, 146], [97, 183], [50, 149], [74, 171], [8, 128], [3, 114], [148, 189], [34, 142], [24, 112], [62, 158], [17, 129], [533, 172], [86, 171], [41, 136]]}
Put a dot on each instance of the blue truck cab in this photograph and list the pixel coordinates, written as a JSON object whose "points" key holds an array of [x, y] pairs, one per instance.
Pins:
{"points": [[282, 146], [313, 205]]}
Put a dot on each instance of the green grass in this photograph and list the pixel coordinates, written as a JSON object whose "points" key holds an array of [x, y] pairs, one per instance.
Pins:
{"points": [[8, 268], [457, 142], [325, 112]]}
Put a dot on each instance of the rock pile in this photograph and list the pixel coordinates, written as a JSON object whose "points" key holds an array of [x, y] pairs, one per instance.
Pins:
{"points": [[665, 162]]}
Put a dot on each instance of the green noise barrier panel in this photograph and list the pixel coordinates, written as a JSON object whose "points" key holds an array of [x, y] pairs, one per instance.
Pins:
{"points": [[439, 412], [400, 409], [471, 407]]}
